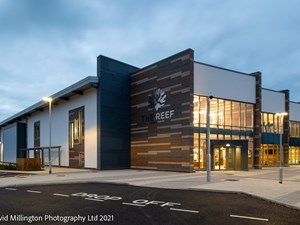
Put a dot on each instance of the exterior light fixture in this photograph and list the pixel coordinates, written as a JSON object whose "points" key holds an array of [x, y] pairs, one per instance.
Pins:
{"points": [[208, 155], [281, 116], [49, 100]]}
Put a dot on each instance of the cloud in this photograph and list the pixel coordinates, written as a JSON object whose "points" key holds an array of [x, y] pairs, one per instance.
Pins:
{"points": [[47, 45]]}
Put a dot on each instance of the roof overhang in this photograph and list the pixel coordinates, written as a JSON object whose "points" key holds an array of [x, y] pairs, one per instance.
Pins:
{"points": [[64, 95]]}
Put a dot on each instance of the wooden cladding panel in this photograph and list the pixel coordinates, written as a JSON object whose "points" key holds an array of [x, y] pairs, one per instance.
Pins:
{"points": [[164, 141]]}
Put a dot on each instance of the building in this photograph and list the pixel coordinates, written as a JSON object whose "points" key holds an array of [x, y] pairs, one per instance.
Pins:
{"points": [[156, 117]]}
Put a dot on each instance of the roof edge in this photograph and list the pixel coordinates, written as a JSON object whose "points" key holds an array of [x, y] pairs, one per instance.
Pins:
{"points": [[85, 81]]}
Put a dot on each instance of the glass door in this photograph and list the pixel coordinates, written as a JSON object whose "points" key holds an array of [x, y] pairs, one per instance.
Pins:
{"points": [[216, 158], [220, 158], [227, 158], [230, 158]]}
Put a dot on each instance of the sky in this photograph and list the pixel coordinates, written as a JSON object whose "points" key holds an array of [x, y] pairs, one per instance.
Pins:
{"points": [[47, 45]]}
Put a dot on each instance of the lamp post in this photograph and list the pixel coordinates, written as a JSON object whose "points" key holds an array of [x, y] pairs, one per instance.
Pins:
{"points": [[281, 116], [0, 151], [49, 100], [208, 156]]}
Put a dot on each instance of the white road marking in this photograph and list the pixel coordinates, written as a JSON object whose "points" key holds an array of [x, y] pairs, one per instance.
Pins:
{"points": [[184, 210], [94, 199], [11, 189], [38, 192], [62, 195], [250, 218], [126, 203]]}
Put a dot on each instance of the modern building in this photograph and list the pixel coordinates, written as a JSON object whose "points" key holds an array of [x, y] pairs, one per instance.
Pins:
{"points": [[156, 118]]}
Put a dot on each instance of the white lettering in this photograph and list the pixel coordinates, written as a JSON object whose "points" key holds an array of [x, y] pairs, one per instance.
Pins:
{"points": [[154, 202], [171, 113], [92, 218], [164, 115], [140, 201], [97, 197], [167, 114], [157, 116], [4, 218], [170, 204], [81, 194]]}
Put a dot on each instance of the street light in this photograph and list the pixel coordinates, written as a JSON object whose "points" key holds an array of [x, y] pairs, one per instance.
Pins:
{"points": [[208, 156], [281, 115], [49, 100]]}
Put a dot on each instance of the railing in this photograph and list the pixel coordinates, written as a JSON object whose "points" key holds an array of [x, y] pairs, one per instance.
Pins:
{"points": [[42, 149]]}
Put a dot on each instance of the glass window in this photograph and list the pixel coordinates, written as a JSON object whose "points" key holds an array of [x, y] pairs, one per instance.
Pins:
{"points": [[196, 111], [236, 114], [224, 114], [203, 111], [276, 124], [221, 114], [227, 115], [243, 115], [37, 134], [294, 129], [249, 116], [270, 123], [214, 113], [196, 150], [270, 154], [76, 130]]}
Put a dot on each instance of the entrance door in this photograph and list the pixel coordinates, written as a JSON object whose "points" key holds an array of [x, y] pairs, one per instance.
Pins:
{"points": [[220, 158], [231, 159], [227, 158]]}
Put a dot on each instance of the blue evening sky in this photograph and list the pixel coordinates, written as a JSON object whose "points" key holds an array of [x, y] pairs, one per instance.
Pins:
{"points": [[46, 45]]}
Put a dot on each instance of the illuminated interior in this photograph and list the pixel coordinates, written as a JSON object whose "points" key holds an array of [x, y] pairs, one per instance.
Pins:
{"points": [[229, 120], [294, 150]]}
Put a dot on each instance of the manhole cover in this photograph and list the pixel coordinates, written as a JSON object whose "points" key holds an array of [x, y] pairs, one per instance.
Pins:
{"points": [[231, 180], [18, 176]]}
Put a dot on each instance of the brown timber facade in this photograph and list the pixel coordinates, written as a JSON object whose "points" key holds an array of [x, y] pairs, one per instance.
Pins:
{"points": [[162, 114]]}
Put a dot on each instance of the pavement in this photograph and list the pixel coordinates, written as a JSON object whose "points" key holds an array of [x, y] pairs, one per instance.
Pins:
{"points": [[262, 183]]}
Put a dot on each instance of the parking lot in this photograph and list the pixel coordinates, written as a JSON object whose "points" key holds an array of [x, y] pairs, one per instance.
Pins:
{"points": [[126, 204]]}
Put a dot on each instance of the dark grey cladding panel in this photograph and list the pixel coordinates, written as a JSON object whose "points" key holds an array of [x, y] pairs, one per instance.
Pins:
{"points": [[113, 111]]}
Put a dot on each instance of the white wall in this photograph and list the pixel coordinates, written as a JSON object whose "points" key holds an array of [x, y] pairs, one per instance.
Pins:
{"points": [[272, 101], [223, 83], [1, 144], [294, 111], [60, 128]]}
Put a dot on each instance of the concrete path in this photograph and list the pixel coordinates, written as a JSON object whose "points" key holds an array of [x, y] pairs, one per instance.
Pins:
{"points": [[261, 183]]}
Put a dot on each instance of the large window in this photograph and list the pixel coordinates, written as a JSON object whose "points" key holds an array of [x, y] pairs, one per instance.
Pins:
{"points": [[295, 129], [76, 130], [76, 137], [229, 120], [270, 123], [294, 155], [294, 151], [224, 114], [270, 154]]}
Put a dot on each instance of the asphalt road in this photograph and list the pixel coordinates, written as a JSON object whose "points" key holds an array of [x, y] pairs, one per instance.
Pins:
{"points": [[104, 203]]}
